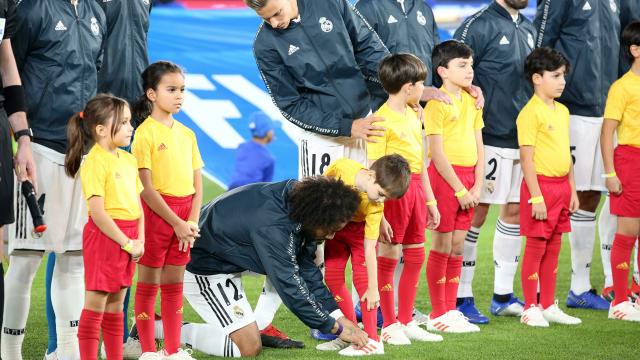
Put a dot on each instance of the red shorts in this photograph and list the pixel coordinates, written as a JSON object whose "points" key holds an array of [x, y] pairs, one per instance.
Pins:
{"points": [[348, 242], [626, 160], [408, 215], [556, 192], [106, 266], [161, 243], [452, 217]]}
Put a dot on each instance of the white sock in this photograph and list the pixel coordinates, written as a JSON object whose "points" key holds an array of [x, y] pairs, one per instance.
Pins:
{"points": [[209, 340], [159, 333], [267, 306], [17, 282], [507, 245], [67, 298], [470, 254], [396, 280], [607, 226], [582, 238], [636, 273]]}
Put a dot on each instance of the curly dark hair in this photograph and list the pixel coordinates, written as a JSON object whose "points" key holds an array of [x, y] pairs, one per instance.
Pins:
{"points": [[322, 203]]}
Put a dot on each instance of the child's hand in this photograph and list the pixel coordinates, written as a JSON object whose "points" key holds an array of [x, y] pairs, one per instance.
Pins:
{"points": [[539, 211], [475, 194], [614, 185], [372, 297], [574, 203], [138, 249], [433, 219], [386, 232], [466, 201], [185, 236]]}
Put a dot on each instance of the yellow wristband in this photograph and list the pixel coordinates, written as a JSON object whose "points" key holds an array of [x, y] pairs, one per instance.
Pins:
{"points": [[432, 202], [128, 246], [462, 192], [193, 223], [536, 200], [609, 175]]}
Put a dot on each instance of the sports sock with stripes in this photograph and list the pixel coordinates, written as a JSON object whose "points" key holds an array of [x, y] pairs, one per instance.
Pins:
{"points": [[454, 267], [144, 310], [582, 239], [470, 254], [507, 246], [549, 270], [620, 256], [386, 267], [534, 251], [171, 310], [437, 279], [112, 330], [408, 286]]}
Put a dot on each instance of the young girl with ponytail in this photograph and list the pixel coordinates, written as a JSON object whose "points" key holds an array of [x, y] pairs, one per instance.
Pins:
{"points": [[113, 238]]}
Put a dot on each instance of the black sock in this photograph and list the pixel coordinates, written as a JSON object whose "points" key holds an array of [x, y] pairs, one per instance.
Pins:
{"points": [[501, 298]]}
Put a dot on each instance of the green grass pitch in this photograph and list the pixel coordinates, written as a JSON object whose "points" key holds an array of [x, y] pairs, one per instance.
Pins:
{"points": [[503, 338]]}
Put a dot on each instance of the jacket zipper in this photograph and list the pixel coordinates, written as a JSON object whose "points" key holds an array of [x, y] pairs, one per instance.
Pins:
{"points": [[81, 45], [329, 76]]}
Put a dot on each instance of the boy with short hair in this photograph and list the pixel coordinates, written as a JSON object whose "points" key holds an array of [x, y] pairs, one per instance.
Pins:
{"points": [[455, 145], [622, 166], [405, 219], [548, 192], [388, 178]]}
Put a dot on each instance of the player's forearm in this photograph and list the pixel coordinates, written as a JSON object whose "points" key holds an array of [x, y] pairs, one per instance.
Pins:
{"points": [[529, 171], [426, 184], [444, 168], [606, 144], [371, 262], [107, 226], [141, 224], [153, 199], [572, 180], [196, 202]]}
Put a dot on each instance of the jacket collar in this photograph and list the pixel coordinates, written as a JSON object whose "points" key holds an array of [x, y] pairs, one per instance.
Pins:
{"points": [[498, 9]]}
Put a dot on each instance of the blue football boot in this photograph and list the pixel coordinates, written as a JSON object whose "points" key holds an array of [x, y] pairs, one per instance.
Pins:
{"points": [[470, 311], [511, 307], [587, 300]]}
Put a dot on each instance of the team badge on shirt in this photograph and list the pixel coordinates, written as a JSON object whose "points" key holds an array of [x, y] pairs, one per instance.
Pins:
{"points": [[95, 29], [530, 40], [146, 2], [421, 19], [237, 312], [612, 4], [325, 24]]}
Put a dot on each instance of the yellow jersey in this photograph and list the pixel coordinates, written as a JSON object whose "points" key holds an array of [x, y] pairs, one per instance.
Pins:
{"points": [[457, 123], [368, 211], [623, 105], [171, 153], [403, 136], [115, 179], [547, 130]]}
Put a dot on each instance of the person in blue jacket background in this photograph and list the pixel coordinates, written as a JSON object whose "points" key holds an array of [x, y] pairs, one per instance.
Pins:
{"points": [[254, 161]]}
